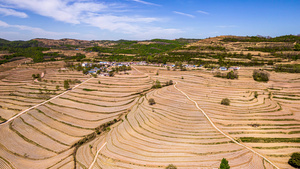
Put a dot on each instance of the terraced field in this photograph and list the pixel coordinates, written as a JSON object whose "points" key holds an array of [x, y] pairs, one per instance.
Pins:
{"points": [[48, 136], [20, 92], [173, 130], [269, 123]]}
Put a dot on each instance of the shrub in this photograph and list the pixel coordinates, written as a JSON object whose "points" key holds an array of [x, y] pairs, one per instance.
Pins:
{"points": [[151, 101], [66, 84], [229, 75], [168, 83], [255, 94], [260, 76], [111, 74], [232, 75], [224, 164], [295, 160], [171, 166], [156, 85], [225, 101], [297, 47]]}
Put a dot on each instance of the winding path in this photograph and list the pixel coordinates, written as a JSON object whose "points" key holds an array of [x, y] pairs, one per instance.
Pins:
{"points": [[97, 156], [210, 121]]}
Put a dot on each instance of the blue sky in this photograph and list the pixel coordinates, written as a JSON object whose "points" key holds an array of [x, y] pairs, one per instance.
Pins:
{"points": [[146, 19]]}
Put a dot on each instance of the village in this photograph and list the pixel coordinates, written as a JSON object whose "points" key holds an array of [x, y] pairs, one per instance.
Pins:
{"points": [[103, 68]]}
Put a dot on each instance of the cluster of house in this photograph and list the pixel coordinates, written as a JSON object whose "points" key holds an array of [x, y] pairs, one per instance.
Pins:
{"points": [[106, 67], [231, 68], [103, 68]]}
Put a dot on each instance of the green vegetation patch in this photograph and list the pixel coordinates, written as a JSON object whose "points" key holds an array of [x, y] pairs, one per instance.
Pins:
{"points": [[271, 49], [290, 68], [286, 38], [295, 160], [269, 140], [260, 76]]}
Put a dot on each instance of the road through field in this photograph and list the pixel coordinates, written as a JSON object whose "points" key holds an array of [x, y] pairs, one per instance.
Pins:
{"points": [[97, 156], [214, 126], [210, 121], [43, 103]]}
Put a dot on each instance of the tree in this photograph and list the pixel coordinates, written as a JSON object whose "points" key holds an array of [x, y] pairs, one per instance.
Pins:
{"points": [[66, 84], [260, 76], [151, 101], [225, 101], [57, 87], [297, 47], [171, 166], [255, 94], [156, 85], [224, 164], [232, 75], [295, 160], [111, 74]]}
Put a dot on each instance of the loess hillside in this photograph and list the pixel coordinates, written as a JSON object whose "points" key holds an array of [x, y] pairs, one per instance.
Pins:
{"points": [[55, 113]]}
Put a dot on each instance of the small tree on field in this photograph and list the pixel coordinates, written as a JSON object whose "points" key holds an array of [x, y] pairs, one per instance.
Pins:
{"points": [[66, 84], [168, 83], [111, 73], [297, 47], [151, 101], [224, 164], [295, 160], [255, 94], [225, 101], [57, 87], [260, 76], [156, 85], [171, 166], [232, 75]]}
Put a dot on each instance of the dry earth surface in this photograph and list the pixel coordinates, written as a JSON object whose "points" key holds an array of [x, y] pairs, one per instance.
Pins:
{"points": [[147, 136]]}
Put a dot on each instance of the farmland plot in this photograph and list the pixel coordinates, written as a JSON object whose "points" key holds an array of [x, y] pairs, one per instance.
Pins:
{"points": [[20, 92], [46, 137], [171, 131], [268, 122], [175, 131]]}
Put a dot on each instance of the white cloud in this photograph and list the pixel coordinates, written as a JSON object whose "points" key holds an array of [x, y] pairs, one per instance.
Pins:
{"points": [[146, 3], [157, 32], [4, 24], [36, 31], [92, 13], [61, 10], [11, 12], [203, 12], [130, 26], [184, 14]]}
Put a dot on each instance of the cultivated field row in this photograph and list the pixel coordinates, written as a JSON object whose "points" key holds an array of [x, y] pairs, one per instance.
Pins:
{"points": [[171, 131], [46, 136]]}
